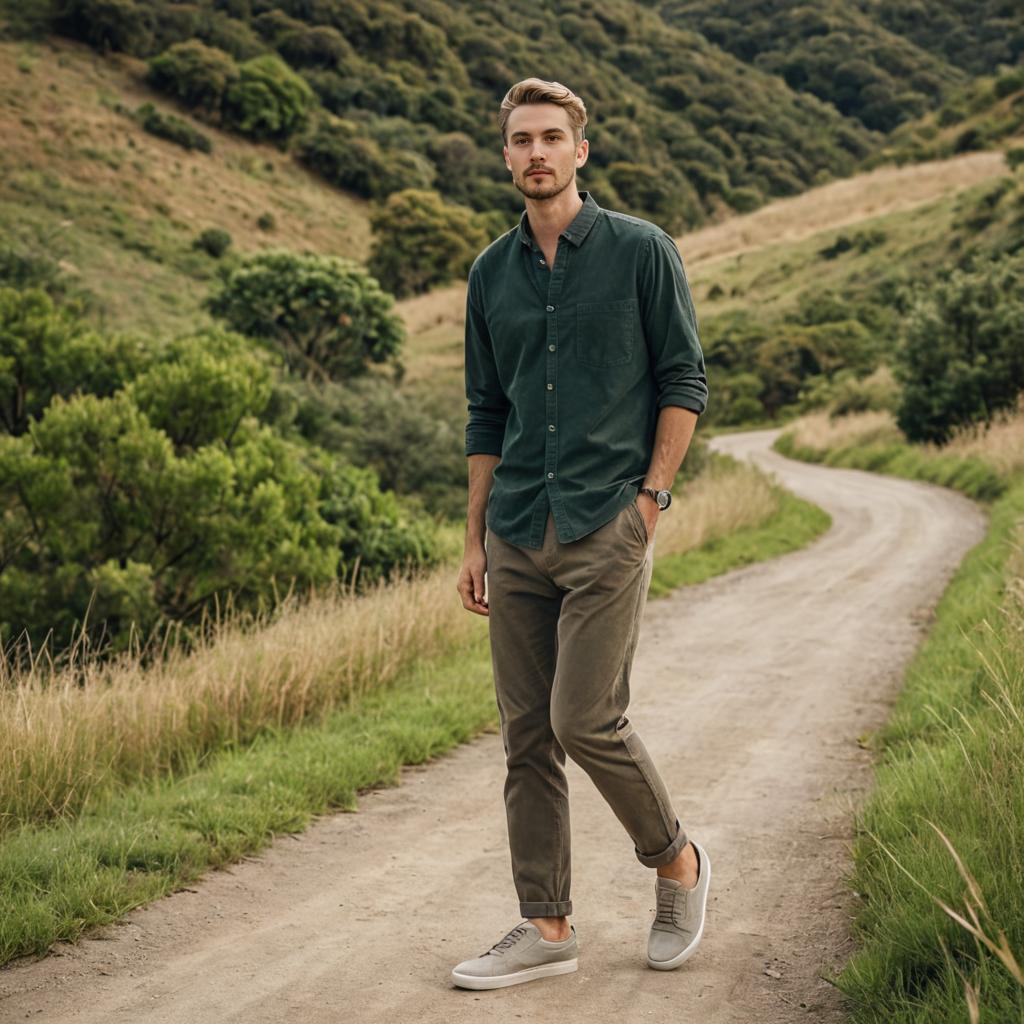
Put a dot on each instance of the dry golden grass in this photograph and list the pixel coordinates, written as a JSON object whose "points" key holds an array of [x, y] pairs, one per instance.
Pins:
{"points": [[839, 203], [1001, 445], [725, 498], [820, 432], [60, 127], [72, 731]]}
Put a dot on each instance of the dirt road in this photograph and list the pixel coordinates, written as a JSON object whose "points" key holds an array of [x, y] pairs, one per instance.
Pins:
{"points": [[750, 692]]}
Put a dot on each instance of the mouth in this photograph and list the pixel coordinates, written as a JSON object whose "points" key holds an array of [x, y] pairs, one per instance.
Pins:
{"points": [[537, 174]]}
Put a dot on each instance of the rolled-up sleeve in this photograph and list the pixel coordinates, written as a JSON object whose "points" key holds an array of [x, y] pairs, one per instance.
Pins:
{"points": [[487, 402], [670, 326]]}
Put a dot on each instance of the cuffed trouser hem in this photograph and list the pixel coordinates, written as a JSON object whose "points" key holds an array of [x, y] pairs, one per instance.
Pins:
{"points": [[559, 909], [669, 854]]}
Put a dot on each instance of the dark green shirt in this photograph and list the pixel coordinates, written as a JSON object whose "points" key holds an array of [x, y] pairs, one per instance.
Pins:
{"points": [[567, 367]]}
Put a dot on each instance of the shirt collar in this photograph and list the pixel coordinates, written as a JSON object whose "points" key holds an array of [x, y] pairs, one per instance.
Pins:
{"points": [[577, 230]]}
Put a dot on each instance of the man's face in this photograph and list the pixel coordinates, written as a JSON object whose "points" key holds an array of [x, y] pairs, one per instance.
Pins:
{"points": [[540, 138]]}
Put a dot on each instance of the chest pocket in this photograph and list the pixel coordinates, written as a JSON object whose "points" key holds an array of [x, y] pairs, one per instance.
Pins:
{"points": [[604, 332]]}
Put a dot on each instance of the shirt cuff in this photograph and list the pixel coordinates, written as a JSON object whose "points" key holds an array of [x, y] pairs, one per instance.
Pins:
{"points": [[684, 399]]}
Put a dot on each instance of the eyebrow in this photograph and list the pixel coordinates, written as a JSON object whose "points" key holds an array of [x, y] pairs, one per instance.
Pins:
{"points": [[547, 131]]}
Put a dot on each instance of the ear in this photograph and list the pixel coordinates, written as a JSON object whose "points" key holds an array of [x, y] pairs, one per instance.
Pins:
{"points": [[504, 153], [582, 152]]}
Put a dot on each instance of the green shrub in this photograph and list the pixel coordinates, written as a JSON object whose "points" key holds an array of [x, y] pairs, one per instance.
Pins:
{"points": [[172, 128], [267, 101], [325, 315], [214, 241], [108, 24], [961, 357], [197, 75], [345, 154], [143, 507], [45, 353], [420, 241]]}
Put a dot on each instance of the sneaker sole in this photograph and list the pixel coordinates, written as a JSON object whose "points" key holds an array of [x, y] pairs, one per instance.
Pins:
{"points": [[687, 951], [516, 978]]}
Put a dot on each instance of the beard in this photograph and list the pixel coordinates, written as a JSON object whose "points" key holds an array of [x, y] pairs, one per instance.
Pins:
{"points": [[547, 189]]}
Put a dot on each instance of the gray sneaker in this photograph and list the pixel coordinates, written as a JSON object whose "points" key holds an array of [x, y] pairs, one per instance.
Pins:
{"points": [[679, 920], [522, 955]]}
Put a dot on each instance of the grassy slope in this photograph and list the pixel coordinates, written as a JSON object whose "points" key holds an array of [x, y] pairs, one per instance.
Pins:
{"points": [[81, 181]]}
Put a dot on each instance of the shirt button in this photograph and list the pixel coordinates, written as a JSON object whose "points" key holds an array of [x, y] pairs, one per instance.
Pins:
{"points": [[541, 261], [550, 309], [551, 476], [551, 387], [551, 348], [551, 426]]}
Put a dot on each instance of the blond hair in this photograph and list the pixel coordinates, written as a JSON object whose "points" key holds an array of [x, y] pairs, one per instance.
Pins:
{"points": [[536, 90]]}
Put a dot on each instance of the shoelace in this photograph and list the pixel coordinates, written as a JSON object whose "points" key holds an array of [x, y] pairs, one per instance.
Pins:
{"points": [[508, 941], [666, 905]]}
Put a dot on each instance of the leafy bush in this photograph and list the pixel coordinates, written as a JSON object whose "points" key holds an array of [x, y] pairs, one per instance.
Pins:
{"points": [[197, 75], [268, 101], [325, 315], [143, 506], [411, 439], [45, 353], [108, 24], [214, 241], [172, 128], [420, 241], [961, 357]]}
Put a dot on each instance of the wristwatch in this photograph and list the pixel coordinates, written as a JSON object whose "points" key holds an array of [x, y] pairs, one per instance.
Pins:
{"points": [[663, 498]]}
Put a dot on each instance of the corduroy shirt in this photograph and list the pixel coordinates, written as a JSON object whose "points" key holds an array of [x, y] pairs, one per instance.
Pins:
{"points": [[567, 367]]}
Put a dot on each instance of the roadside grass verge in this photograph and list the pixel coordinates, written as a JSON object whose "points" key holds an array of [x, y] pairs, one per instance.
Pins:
{"points": [[122, 784], [938, 858]]}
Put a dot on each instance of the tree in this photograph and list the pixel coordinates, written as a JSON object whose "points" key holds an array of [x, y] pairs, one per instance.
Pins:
{"points": [[421, 241], [962, 355], [326, 316]]}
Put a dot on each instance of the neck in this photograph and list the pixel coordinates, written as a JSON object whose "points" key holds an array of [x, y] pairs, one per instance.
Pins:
{"points": [[550, 217]]}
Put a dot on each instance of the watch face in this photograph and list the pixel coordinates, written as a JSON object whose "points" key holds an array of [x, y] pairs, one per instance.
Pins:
{"points": [[664, 499]]}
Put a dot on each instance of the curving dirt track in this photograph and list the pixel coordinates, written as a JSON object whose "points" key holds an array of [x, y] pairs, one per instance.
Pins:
{"points": [[749, 690]]}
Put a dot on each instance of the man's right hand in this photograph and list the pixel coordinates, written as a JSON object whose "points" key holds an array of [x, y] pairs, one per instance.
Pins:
{"points": [[471, 581]]}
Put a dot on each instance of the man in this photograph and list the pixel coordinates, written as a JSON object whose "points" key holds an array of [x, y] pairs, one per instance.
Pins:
{"points": [[584, 380]]}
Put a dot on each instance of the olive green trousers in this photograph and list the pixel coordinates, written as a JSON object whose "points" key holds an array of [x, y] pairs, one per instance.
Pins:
{"points": [[564, 623]]}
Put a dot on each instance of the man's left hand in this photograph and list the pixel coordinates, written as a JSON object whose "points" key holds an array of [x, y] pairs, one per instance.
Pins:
{"points": [[650, 511]]}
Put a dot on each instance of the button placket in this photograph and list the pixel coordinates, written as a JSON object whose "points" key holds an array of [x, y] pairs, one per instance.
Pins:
{"points": [[551, 381]]}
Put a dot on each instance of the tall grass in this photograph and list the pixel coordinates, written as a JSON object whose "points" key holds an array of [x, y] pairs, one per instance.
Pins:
{"points": [[74, 730], [872, 441]]}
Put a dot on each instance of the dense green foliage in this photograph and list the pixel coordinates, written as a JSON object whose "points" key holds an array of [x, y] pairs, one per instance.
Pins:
{"points": [[421, 241], [678, 128], [829, 49], [326, 316], [977, 35], [173, 128], [962, 357], [141, 482]]}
